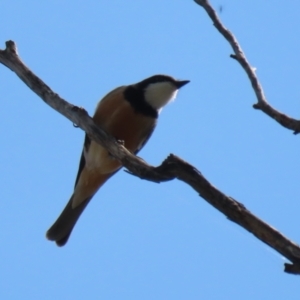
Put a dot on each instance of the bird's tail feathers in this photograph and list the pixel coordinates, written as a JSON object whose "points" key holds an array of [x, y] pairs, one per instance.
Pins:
{"points": [[60, 231]]}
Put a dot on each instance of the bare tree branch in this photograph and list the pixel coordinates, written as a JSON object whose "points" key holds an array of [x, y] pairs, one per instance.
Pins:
{"points": [[173, 167], [77, 115], [239, 55]]}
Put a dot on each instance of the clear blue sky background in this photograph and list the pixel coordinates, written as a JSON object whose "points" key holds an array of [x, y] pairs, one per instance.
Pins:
{"points": [[136, 239]]}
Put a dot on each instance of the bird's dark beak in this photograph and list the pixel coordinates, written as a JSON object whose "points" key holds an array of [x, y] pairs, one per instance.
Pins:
{"points": [[181, 83]]}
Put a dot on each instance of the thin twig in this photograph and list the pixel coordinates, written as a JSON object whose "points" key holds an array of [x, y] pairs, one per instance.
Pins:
{"points": [[262, 103]]}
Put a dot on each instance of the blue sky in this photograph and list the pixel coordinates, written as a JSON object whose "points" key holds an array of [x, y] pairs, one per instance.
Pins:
{"points": [[136, 239]]}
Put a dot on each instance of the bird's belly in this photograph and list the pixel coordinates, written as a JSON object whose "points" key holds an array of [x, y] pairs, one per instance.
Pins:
{"points": [[99, 160]]}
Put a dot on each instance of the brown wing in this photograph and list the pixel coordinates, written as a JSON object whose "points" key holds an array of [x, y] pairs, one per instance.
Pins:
{"points": [[87, 142]]}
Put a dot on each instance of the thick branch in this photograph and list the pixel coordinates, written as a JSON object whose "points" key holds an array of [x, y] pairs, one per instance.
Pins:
{"points": [[239, 55], [172, 167]]}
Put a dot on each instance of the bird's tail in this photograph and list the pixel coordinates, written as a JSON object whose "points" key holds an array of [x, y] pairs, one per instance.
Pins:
{"points": [[60, 231]]}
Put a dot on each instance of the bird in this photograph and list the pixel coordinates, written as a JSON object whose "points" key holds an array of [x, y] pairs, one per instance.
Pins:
{"points": [[129, 113]]}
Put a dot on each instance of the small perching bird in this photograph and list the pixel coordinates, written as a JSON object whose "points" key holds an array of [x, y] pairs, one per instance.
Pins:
{"points": [[129, 113]]}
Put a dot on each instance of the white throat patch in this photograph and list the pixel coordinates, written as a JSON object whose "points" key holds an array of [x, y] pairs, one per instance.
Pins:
{"points": [[160, 93]]}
